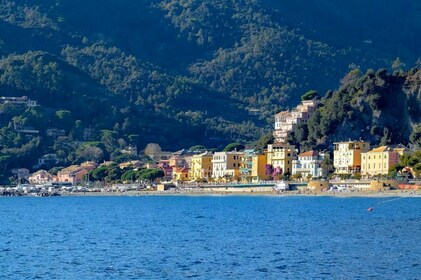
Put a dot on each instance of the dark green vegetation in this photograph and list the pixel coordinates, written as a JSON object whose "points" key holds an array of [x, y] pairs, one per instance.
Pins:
{"points": [[182, 73], [113, 173], [412, 161], [377, 107]]}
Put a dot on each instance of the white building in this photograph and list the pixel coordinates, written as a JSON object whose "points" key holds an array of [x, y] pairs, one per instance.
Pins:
{"points": [[309, 163], [226, 164], [287, 121]]}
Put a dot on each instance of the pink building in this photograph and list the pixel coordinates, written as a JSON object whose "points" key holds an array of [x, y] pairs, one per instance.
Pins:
{"points": [[73, 174]]}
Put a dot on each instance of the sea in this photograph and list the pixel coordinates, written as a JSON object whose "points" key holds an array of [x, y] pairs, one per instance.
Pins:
{"points": [[210, 237]]}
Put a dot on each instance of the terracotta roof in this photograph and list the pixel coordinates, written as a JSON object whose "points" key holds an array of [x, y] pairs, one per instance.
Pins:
{"points": [[184, 169], [309, 154], [283, 113], [380, 149], [71, 169]]}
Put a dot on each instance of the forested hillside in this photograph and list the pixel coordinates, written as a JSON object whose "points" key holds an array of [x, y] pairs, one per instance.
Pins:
{"points": [[112, 73], [379, 107]]}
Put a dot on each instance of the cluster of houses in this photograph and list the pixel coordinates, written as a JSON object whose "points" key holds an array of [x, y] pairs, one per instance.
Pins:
{"points": [[287, 121], [277, 161]]}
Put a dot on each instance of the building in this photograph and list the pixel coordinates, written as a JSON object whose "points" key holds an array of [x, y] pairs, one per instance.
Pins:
{"points": [[55, 132], [280, 156], [178, 161], [180, 174], [201, 166], [48, 160], [73, 174], [347, 156], [130, 150], [89, 165], [247, 164], [41, 177], [164, 165], [378, 161], [155, 152], [287, 121], [226, 165], [24, 100], [258, 170], [134, 164], [309, 165]]}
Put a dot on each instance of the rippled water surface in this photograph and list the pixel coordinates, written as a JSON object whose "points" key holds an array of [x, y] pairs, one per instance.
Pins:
{"points": [[209, 238]]}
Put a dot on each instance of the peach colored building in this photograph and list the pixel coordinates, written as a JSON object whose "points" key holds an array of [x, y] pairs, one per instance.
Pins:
{"points": [[41, 177], [181, 174], [73, 174]]}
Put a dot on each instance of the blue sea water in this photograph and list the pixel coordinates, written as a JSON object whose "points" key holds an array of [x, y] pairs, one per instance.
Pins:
{"points": [[178, 237]]}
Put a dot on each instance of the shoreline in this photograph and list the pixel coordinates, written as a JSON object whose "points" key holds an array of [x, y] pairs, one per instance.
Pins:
{"points": [[373, 194]]}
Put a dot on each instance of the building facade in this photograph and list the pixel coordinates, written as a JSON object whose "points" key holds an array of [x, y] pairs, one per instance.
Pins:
{"points": [[41, 177], [181, 174], [347, 156], [247, 164], [73, 174], [201, 166], [378, 161], [258, 171], [280, 155], [226, 165], [287, 121], [309, 165]]}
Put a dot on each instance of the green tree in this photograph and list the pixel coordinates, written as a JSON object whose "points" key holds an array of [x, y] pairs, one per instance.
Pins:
{"points": [[415, 136], [64, 119], [234, 146], [310, 95]]}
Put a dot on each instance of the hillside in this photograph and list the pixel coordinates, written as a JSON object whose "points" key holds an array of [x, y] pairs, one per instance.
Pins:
{"points": [[378, 107], [181, 73]]}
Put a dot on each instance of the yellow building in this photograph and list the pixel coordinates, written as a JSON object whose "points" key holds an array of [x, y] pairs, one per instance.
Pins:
{"points": [[379, 160], [347, 156], [180, 174], [281, 155], [226, 165], [258, 170], [201, 166]]}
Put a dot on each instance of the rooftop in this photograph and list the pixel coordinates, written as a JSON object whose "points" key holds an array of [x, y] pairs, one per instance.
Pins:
{"points": [[309, 154]]}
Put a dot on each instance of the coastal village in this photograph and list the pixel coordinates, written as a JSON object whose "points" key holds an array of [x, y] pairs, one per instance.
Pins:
{"points": [[280, 167]]}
